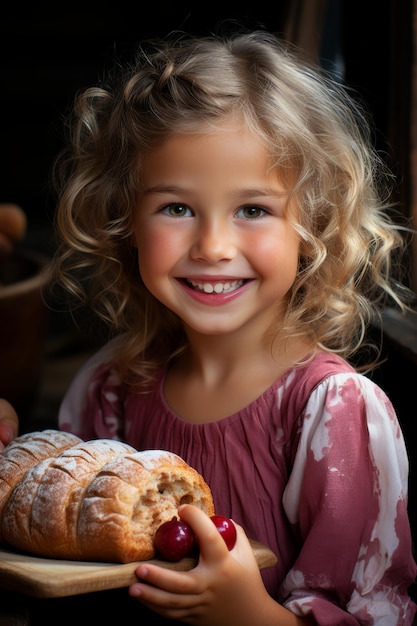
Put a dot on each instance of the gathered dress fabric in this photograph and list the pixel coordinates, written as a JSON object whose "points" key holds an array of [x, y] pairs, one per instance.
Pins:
{"points": [[315, 468]]}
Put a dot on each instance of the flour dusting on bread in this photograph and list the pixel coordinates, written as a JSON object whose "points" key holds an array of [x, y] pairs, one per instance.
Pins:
{"points": [[24, 452]]}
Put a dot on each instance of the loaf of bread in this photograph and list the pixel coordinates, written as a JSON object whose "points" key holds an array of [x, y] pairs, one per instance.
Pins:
{"points": [[98, 500]]}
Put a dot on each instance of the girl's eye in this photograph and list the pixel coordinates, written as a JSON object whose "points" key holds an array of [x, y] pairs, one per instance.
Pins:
{"points": [[251, 212], [177, 210]]}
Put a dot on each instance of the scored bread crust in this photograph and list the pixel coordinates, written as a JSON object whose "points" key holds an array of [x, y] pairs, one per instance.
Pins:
{"points": [[41, 514], [100, 500], [24, 452]]}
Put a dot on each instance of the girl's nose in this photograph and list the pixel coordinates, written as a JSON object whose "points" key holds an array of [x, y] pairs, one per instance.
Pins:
{"points": [[213, 242]]}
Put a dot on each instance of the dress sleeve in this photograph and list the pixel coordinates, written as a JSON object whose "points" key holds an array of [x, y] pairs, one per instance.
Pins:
{"points": [[347, 502], [91, 407]]}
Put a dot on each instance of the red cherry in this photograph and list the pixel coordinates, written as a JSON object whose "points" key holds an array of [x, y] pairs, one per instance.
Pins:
{"points": [[226, 528], [174, 540]]}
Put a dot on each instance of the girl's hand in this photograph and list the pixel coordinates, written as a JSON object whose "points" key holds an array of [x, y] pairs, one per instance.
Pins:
{"points": [[9, 423], [224, 588]]}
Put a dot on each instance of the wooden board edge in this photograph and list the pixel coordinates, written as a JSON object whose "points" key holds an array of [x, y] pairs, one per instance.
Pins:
{"points": [[33, 576]]}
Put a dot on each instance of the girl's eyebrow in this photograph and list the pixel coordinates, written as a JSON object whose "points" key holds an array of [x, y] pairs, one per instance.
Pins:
{"points": [[163, 189], [244, 193]]}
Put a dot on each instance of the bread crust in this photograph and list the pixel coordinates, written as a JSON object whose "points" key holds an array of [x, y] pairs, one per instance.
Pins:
{"points": [[41, 514], [99, 500], [130, 498], [24, 452]]}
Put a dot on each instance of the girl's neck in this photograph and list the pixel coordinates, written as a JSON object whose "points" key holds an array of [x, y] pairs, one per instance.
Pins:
{"points": [[217, 376]]}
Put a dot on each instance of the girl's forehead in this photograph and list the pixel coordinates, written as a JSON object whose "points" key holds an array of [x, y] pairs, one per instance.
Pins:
{"points": [[229, 146], [228, 135], [222, 140]]}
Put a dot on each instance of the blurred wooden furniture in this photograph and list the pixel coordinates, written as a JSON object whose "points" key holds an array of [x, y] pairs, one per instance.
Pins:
{"points": [[23, 327]]}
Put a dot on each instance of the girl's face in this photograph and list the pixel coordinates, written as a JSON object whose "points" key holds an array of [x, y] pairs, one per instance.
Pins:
{"points": [[214, 241]]}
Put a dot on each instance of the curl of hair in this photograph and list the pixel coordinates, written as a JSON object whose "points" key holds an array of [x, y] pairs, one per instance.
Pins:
{"points": [[320, 141]]}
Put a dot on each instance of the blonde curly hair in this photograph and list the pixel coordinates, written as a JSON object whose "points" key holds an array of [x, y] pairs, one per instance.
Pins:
{"points": [[319, 138]]}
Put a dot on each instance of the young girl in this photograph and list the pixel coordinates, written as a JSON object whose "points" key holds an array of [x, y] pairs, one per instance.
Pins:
{"points": [[221, 208]]}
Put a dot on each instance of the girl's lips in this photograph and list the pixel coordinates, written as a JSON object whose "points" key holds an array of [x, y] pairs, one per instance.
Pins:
{"points": [[214, 293]]}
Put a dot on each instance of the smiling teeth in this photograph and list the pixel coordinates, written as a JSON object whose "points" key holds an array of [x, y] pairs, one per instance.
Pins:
{"points": [[217, 287]]}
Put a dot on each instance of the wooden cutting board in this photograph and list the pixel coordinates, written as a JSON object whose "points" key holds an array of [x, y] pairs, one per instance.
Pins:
{"points": [[51, 578]]}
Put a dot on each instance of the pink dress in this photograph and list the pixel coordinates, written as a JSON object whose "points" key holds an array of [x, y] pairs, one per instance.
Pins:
{"points": [[315, 468]]}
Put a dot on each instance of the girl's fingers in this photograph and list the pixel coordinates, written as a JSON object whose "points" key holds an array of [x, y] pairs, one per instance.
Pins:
{"points": [[168, 580], [9, 423], [211, 544]]}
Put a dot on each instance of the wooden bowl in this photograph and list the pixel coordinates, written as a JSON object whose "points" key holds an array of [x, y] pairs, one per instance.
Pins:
{"points": [[23, 327]]}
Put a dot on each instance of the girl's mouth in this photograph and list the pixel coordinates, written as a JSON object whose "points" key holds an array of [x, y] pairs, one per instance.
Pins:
{"points": [[216, 287]]}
